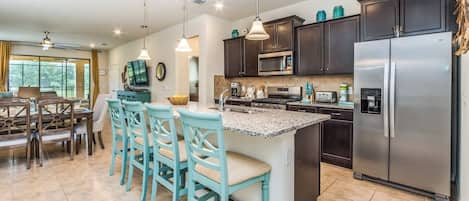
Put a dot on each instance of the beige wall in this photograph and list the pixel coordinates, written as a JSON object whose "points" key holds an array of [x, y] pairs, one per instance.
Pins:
{"points": [[182, 64], [161, 46]]}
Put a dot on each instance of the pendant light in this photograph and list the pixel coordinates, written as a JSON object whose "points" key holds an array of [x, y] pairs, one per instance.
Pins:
{"points": [[144, 52], [257, 31], [183, 43]]}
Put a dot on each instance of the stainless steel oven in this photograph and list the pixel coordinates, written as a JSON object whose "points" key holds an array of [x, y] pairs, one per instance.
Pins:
{"points": [[277, 63]]}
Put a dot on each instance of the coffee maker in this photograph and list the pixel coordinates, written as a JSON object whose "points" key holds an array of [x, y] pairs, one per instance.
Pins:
{"points": [[235, 89]]}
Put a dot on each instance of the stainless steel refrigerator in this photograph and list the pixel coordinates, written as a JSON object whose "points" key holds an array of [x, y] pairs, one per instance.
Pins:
{"points": [[402, 117]]}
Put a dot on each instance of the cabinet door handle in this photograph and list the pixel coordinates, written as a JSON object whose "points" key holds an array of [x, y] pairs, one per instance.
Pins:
{"points": [[397, 30], [301, 110], [336, 114]]}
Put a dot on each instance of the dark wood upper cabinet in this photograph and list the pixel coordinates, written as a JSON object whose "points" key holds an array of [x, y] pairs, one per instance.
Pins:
{"points": [[269, 44], [241, 57], [327, 47], [285, 35], [233, 57], [382, 19], [340, 37], [310, 49], [281, 33], [251, 52], [378, 18], [422, 16]]}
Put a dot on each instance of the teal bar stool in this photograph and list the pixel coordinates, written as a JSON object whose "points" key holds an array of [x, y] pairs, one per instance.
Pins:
{"points": [[119, 134], [212, 166], [139, 141], [168, 152]]}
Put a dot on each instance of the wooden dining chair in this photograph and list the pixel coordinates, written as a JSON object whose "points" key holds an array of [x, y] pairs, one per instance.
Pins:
{"points": [[119, 134], [140, 141], [29, 92], [211, 165], [55, 124], [168, 152], [48, 94], [15, 121]]}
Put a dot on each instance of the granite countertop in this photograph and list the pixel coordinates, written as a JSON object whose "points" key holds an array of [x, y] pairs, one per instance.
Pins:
{"points": [[263, 122], [325, 105]]}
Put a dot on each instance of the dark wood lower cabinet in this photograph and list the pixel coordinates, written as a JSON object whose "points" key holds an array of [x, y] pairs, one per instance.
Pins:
{"points": [[307, 163], [337, 142], [336, 134]]}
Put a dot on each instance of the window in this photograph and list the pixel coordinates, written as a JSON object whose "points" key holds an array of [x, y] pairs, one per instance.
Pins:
{"points": [[67, 77]]}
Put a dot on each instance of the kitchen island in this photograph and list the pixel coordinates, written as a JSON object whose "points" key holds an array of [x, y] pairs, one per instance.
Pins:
{"points": [[288, 141]]}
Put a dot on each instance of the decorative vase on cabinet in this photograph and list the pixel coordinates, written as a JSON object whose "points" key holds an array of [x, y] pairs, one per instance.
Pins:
{"points": [[338, 12], [321, 16]]}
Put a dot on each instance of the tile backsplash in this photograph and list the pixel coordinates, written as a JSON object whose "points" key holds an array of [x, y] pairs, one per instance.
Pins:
{"points": [[320, 83]]}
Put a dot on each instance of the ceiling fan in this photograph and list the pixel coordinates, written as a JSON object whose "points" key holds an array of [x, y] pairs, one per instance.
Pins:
{"points": [[47, 43]]}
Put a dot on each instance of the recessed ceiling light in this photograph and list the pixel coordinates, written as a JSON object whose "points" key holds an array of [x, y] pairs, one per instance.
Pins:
{"points": [[219, 6], [92, 45], [117, 32]]}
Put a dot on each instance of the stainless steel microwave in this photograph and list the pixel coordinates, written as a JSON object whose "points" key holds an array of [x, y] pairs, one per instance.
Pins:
{"points": [[277, 63]]}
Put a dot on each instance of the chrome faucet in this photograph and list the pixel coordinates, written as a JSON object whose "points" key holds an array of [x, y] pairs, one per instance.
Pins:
{"points": [[222, 100]]}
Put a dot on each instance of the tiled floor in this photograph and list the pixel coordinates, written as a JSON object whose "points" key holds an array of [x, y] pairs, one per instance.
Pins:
{"points": [[87, 179]]}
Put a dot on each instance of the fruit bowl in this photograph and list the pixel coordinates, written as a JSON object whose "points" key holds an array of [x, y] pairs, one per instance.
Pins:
{"points": [[178, 100]]}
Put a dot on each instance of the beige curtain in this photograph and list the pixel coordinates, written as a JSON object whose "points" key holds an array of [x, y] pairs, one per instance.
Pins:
{"points": [[4, 64], [94, 76]]}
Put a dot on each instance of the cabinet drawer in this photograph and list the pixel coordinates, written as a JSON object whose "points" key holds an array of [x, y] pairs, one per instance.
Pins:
{"points": [[302, 109], [338, 114]]}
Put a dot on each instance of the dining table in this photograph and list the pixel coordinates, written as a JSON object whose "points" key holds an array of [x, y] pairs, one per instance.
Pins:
{"points": [[79, 114]]}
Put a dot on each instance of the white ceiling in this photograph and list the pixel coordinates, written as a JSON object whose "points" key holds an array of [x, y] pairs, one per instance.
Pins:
{"points": [[92, 21]]}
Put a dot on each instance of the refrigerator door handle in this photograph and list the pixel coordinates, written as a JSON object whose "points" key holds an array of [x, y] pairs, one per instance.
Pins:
{"points": [[386, 100], [392, 100]]}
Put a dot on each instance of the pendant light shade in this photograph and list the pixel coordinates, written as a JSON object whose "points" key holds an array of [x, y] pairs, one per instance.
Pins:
{"points": [[144, 55], [184, 46], [144, 52], [257, 31]]}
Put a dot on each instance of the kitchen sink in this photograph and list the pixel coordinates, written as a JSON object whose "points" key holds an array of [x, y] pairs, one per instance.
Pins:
{"points": [[238, 110]]}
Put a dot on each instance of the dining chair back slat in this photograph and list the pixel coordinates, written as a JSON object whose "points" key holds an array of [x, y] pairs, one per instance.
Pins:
{"points": [[209, 164], [163, 129], [139, 141], [15, 125], [119, 134], [55, 123], [198, 127], [136, 120], [165, 140]]}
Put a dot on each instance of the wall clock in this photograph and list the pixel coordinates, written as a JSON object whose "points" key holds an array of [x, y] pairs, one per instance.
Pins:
{"points": [[160, 71]]}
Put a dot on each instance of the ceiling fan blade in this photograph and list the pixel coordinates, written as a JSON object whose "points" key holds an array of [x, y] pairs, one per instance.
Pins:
{"points": [[67, 45]]}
